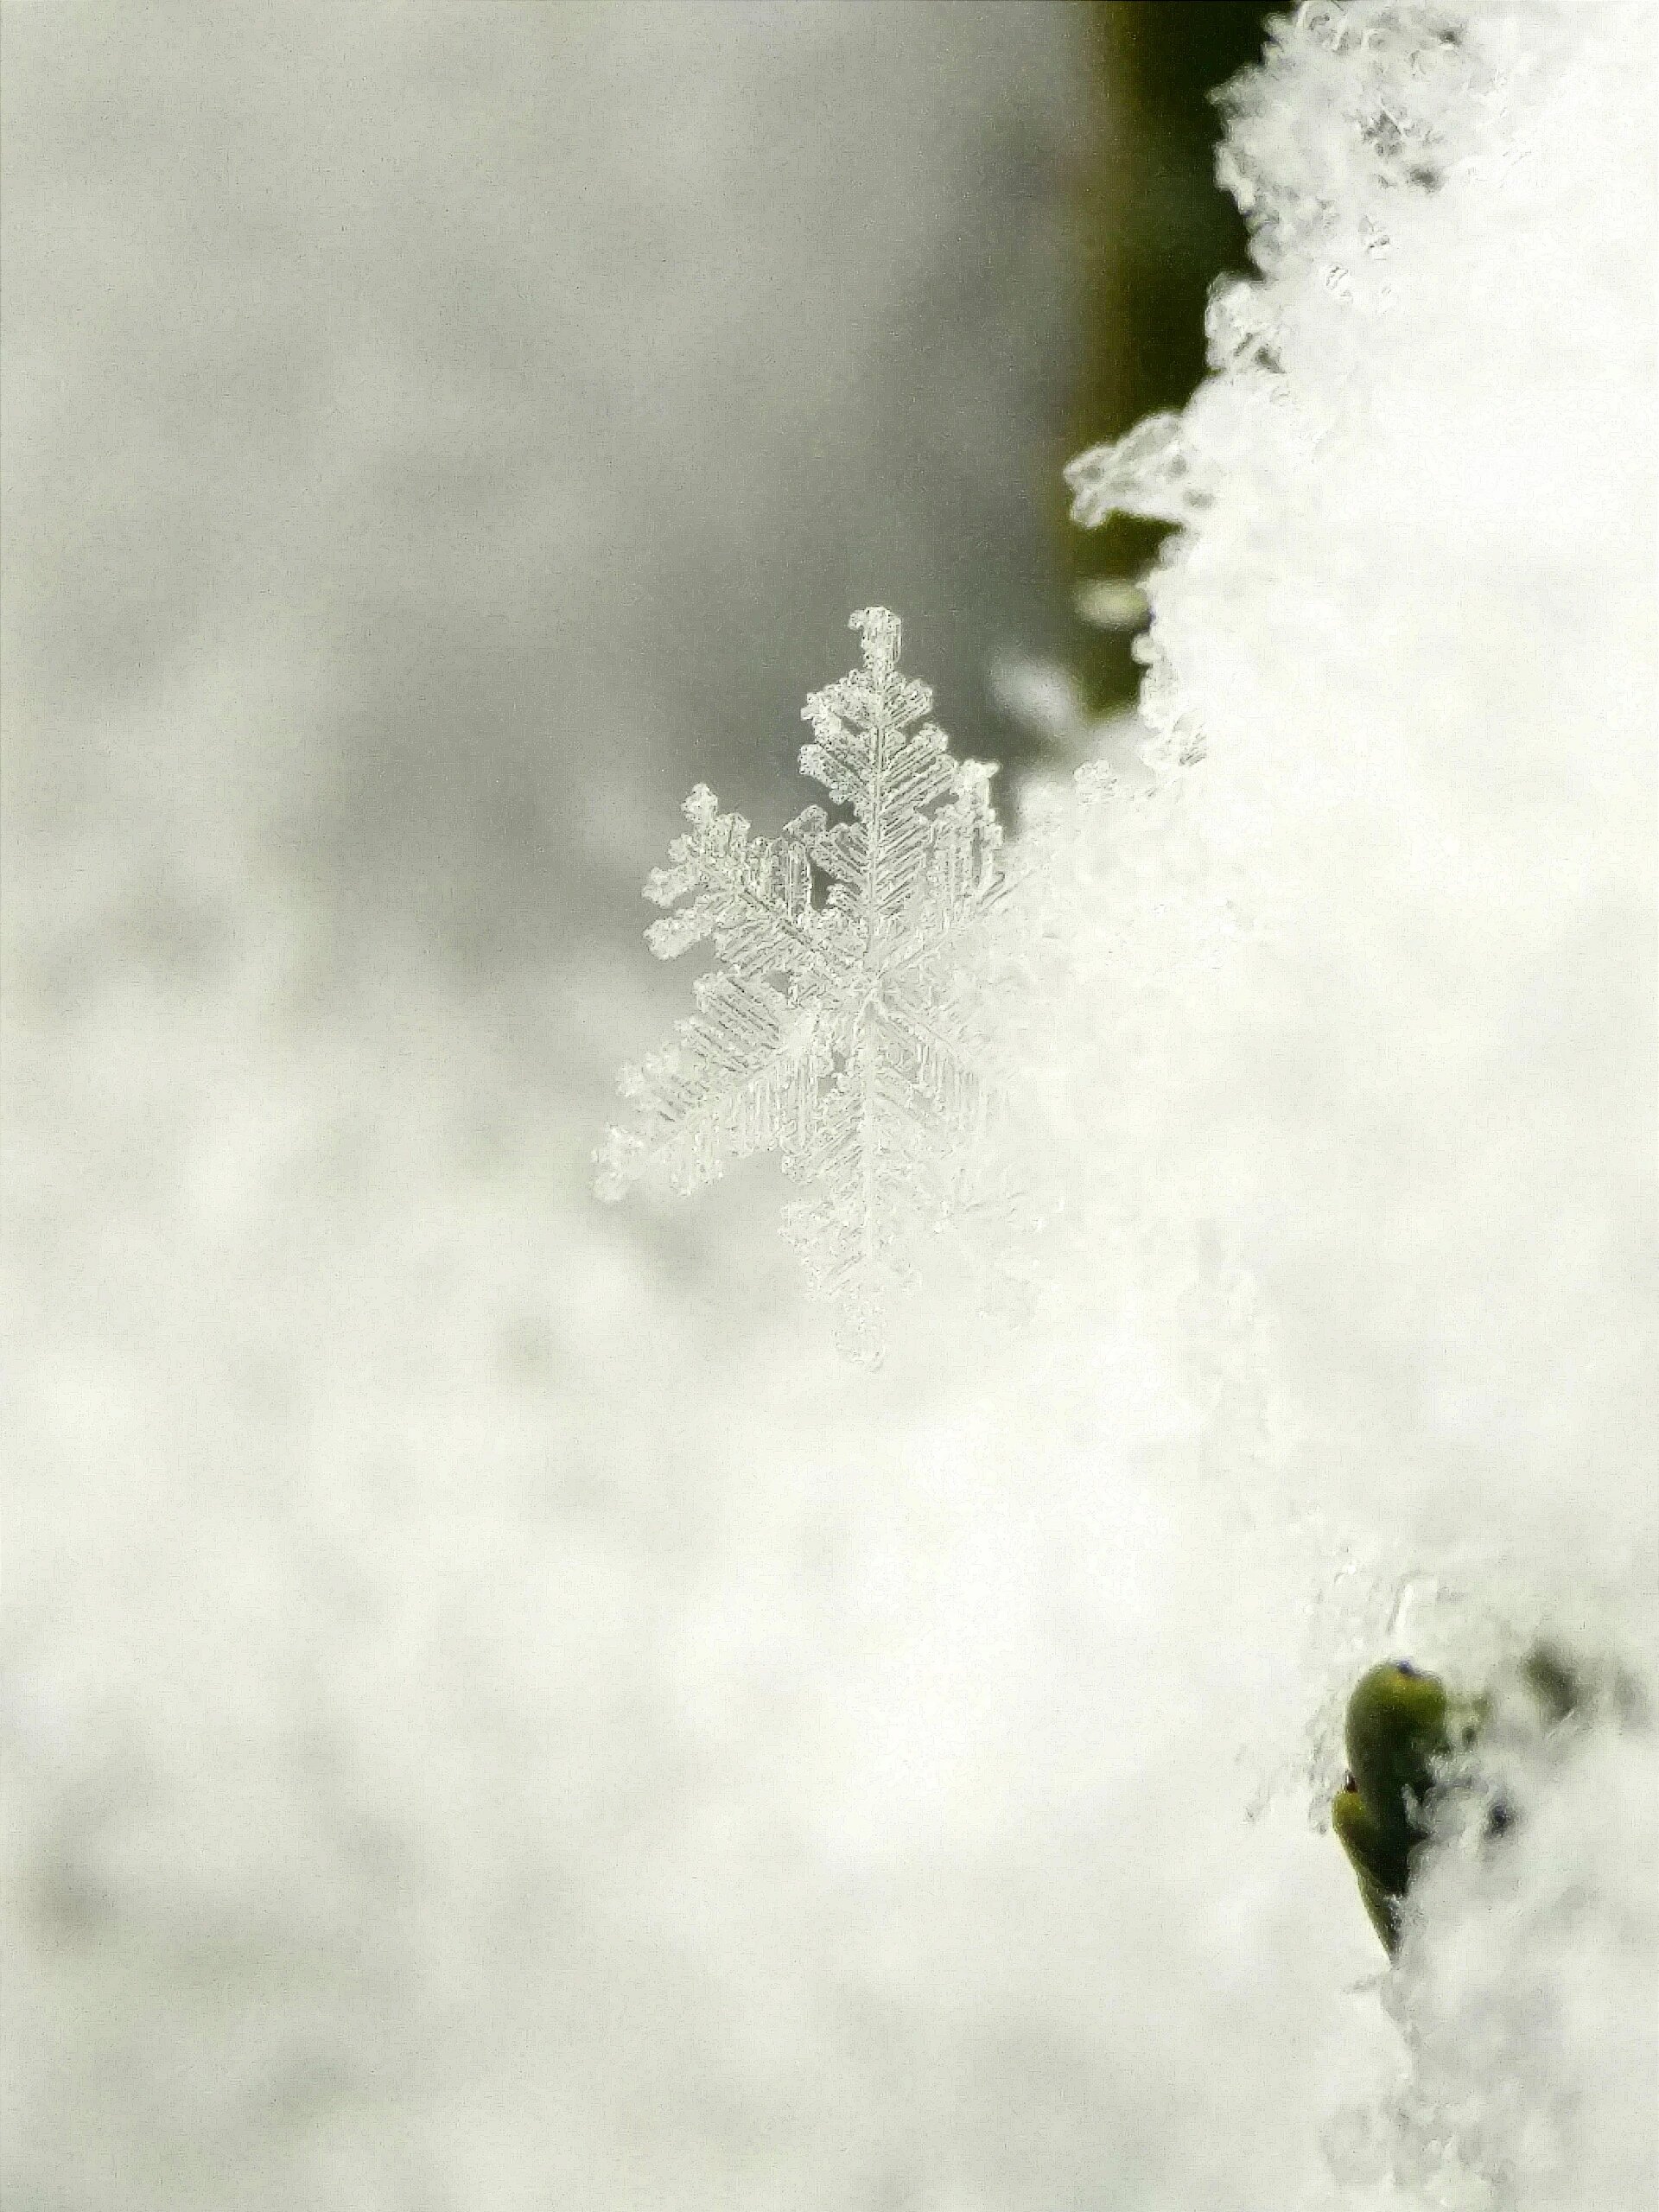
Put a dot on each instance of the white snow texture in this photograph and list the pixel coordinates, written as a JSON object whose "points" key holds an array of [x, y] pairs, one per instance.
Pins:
{"points": [[1355, 1012], [501, 1719]]}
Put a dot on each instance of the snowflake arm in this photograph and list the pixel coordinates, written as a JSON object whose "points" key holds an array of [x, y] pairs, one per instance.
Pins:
{"points": [[739, 1078]]}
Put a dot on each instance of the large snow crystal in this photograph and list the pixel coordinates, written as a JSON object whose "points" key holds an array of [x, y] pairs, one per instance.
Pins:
{"points": [[837, 1033]]}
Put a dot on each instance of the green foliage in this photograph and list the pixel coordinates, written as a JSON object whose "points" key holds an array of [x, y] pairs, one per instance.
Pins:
{"points": [[1408, 1736], [1402, 1729]]}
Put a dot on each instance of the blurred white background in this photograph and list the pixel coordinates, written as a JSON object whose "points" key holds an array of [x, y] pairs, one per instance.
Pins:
{"points": [[439, 433], [434, 438]]}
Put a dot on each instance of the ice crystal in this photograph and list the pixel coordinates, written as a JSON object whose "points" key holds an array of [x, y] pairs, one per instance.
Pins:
{"points": [[839, 1031], [1149, 473]]}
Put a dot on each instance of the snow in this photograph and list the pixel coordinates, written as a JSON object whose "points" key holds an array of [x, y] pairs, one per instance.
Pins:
{"points": [[497, 1713], [1354, 1010]]}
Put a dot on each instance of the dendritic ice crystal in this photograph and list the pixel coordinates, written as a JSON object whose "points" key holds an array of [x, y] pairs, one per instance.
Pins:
{"points": [[840, 1030]]}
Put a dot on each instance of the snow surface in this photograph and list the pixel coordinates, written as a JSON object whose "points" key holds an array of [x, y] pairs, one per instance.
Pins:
{"points": [[499, 1716], [1351, 1018]]}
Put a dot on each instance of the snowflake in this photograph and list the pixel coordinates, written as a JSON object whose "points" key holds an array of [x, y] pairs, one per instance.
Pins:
{"points": [[839, 1034]]}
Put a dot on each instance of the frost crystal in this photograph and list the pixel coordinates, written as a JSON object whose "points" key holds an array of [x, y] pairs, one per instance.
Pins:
{"points": [[1149, 473], [839, 1034]]}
